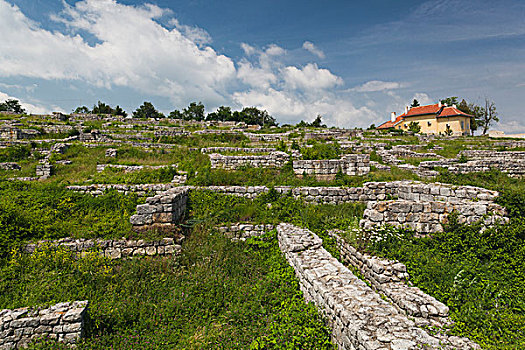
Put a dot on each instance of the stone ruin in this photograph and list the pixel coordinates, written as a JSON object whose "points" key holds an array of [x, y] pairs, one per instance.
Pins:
{"points": [[64, 322], [326, 169], [273, 160], [359, 317]]}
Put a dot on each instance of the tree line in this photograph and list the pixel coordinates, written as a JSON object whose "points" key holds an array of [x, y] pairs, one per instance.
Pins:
{"points": [[194, 111]]}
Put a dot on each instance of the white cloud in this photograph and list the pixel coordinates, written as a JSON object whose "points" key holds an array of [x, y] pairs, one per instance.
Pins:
{"points": [[248, 49], [29, 107], [510, 127], [195, 34], [255, 76], [134, 51], [310, 77], [377, 85], [423, 98], [292, 108], [308, 46], [274, 50]]}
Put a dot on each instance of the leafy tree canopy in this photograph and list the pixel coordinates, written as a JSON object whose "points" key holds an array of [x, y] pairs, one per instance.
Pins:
{"points": [[11, 105], [147, 110]]}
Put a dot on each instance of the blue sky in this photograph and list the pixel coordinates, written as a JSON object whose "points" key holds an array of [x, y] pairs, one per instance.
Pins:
{"points": [[351, 61]]}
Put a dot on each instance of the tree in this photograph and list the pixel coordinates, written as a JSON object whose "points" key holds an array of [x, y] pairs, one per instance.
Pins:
{"points": [[221, 114], [175, 114], [464, 107], [12, 105], [119, 111], [318, 122], [102, 108], [415, 103], [195, 111], [449, 101], [414, 127], [484, 117], [147, 110], [255, 116], [82, 110]]}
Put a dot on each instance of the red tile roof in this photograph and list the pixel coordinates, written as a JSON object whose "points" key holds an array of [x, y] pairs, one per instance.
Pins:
{"points": [[422, 110], [451, 112], [390, 124]]}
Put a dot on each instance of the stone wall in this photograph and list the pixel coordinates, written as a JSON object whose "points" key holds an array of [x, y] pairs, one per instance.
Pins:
{"points": [[429, 216], [238, 149], [140, 190], [371, 191], [273, 160], [391, 279], [64, 322], [10, 166], [358, 316], [131, 168], [161, 211], [240, 231], [113, 249], [44, 170], [351, 164]]}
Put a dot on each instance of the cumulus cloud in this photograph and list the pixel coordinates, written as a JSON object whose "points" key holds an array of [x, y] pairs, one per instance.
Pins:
{"points": [[310, 77], [308, 46], [134, 51], [423, 98], [377, 85], [29, 107], [131, 48]]}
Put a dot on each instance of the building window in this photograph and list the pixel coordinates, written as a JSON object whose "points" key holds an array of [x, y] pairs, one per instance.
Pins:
{"points": [[429, 123], [462, 125]]}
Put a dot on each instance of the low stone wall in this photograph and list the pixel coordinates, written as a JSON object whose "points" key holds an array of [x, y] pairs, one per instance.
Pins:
{"points": [[358, 316], [427, 217], [273, 160], [371, 191], [111, 153], [44, 170], [351, 164], [63, 322], [113, 249], [390, 278], [10, 166], [161, 211], [140, 190], [237, 149], [513, 168], [495, 155], [132, 168], [240, 231]]}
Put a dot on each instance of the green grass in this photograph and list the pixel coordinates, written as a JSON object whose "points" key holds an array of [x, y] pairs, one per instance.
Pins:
{"points": [[478, 274], [217, 295]]}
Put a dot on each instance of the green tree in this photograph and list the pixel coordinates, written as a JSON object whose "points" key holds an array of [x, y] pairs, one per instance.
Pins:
{"points": [[12, 105], [119, 111], [102, 108], [82, 110], [449, 101], [318, 122], [415, 103], [147, 110], [195, 111], [255, 116], [221, 114], [414, 127], [175, 114]]}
